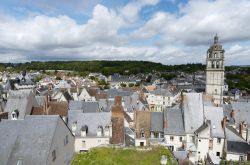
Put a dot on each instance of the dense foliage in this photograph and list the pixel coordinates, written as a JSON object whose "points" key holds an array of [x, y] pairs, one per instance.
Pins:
{"points": [[112, 156], [105, 67]]}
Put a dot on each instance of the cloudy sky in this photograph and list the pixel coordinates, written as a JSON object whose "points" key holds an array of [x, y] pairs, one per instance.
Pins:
{"points": [[166, 31]]}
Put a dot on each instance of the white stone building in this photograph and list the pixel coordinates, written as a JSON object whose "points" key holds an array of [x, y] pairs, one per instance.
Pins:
{"points": [[215, 71]]}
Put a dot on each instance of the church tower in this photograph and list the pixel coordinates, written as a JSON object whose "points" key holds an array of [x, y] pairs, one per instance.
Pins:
{"points": [[215, 71]]}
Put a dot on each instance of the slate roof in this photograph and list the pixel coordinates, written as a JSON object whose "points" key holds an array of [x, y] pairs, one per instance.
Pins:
{"points": [[105, 105], [86, 107], [116, 92], [157, 122], [63, 84], [215, 115], [40, 100], [29, 139], [161, 92], [22, 100], [92, 120], [238, 147], [180, 155], [67, 95], [174, 119], [202, 127], [121, 78], [26, 81], [192, 109], [242, 111], [133, 102], [233, 135]]}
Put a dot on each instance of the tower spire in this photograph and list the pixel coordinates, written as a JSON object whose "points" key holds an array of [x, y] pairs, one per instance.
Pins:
{"points": [[216, 39]]}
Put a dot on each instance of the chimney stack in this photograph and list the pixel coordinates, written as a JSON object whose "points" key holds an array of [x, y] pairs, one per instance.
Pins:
{"points": [[241, 128], [224, 122], [232, 114], [118, 101], [46, 106]]}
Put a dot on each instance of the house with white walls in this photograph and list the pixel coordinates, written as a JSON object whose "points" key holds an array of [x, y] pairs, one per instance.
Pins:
{"points": [[160, 98], [90, 129]]}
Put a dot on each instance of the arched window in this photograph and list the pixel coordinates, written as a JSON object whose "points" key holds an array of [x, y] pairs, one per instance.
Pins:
{"points": [[217, 64], [209, 55], [212, 64]]}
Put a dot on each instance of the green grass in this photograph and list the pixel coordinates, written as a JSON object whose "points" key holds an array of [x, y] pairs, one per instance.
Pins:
{"points": [[112, 156]]}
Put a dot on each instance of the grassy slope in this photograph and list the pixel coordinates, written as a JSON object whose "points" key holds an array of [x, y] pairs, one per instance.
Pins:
{"points": [[109, 156]]}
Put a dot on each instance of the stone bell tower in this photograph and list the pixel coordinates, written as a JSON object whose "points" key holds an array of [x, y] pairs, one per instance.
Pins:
{"points": [[215, 71]]}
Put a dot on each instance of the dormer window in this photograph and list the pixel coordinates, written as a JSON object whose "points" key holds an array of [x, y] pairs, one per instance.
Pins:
{"points": [[14, 114], [84, 131], [106, 131], [99, 130], [74, 126]]}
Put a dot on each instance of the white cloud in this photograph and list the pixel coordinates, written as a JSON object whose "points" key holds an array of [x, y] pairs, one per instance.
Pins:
{"points": [[197, 21], [131, 10], [183, 37]]}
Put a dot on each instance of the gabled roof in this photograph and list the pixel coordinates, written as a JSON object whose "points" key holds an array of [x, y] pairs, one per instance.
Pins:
{"points": [[67, 95], [161, 92], [22, 100], [29, 139], [174, 125], [85, 107], [238, 147], [157, 121], [91, 120], [133, 102], [233, 135], [202, 127], [63, 84], [242, 111], [215, 115], [115, 92], [192, 109], [105, 105]]}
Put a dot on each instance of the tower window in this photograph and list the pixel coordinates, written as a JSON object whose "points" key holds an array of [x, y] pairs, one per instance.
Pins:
{"points": [[212, 64], [217, 64]]}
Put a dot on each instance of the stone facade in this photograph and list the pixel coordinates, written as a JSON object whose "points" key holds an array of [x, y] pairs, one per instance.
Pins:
{"points": [[215, 71]]}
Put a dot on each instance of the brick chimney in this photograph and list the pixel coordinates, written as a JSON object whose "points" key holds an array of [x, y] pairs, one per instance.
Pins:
{"points": [[3, 115], [224, 122], [118, 101], [241, 127], [232, 114], [46, 104], [117, 120]]}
